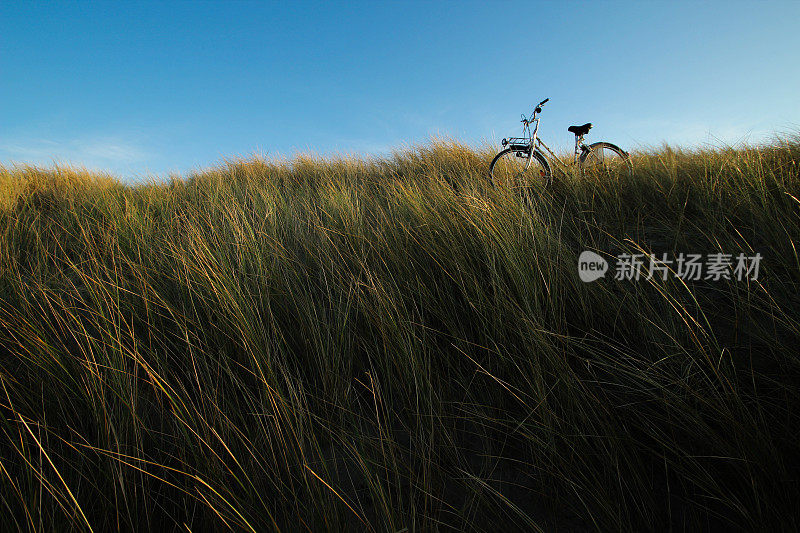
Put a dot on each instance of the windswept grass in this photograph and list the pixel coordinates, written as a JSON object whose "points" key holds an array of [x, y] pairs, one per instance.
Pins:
{"points": [[390, 344]]}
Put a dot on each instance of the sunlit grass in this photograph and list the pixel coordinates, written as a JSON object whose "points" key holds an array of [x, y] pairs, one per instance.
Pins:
{"points": [[390, 343]]}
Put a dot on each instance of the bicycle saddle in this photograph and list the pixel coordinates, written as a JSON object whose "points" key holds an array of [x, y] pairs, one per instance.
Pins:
{"points": [[580, 130]]}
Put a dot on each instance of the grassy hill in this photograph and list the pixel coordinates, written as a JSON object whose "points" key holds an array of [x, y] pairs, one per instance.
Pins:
{"points": [[344, 344]]}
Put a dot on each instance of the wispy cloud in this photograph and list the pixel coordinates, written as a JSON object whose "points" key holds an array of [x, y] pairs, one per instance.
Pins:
{"points": [[696, 133], [116, 154]]}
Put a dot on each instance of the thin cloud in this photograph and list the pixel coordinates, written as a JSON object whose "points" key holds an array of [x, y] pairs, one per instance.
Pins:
{"points": [[111, 150], [114, 154], [695, 133]]}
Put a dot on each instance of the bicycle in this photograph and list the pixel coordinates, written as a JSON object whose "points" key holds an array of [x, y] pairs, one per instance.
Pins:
{"points": [[522, 157]]}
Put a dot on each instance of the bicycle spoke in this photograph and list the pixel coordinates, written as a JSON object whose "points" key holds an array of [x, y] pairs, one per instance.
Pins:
{"points": [[519, 171], [508, 170]]}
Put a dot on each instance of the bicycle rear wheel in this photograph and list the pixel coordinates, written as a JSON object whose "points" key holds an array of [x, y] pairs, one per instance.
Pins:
{"points": [[519, 170], [607, 157]]}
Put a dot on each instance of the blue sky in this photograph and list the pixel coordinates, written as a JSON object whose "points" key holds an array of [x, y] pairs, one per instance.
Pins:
{"points": [[146, 89]]}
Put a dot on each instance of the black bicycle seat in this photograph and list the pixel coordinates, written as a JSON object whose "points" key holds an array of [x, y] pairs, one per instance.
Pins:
{"points": [[580, 130]]}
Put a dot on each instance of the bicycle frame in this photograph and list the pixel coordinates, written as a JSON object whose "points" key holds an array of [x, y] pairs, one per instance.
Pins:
{"points": [[535, 141]]}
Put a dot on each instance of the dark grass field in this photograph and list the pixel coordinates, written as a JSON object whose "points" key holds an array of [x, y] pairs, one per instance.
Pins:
{"points": [[393, 345]]}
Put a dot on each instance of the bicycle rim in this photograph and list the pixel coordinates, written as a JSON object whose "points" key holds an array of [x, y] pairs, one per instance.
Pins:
{"points": [[518, 171], [605, 157]]}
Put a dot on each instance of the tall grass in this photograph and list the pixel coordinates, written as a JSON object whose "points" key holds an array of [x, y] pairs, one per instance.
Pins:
{"points": [[390, 344]]}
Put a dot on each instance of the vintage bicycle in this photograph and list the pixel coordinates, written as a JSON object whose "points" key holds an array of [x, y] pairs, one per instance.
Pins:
{"points": [[522, 162]]}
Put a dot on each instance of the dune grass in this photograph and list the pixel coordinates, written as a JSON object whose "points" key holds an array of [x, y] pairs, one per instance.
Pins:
{"points": [[390, 344]]}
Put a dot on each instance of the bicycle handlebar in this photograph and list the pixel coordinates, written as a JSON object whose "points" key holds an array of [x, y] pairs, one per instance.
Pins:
{"points": [[539, 107], [535, 111]]}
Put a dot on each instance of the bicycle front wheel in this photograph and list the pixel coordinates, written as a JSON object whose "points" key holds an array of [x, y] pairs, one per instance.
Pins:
{"points": [[519, 170], [603, 156]]}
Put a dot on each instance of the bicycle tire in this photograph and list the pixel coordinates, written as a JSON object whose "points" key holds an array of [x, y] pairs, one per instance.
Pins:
{"points": [[607, 156], [509, 169]]}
